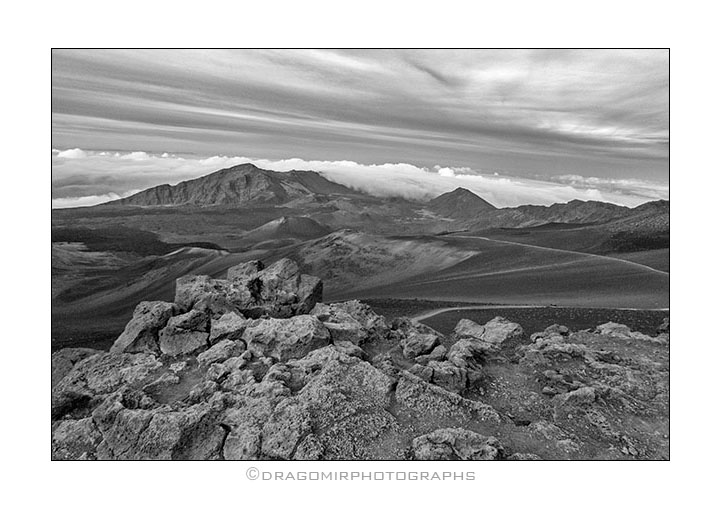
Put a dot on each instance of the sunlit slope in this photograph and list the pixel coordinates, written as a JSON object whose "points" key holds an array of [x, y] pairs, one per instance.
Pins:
{"points": [[505, 272]]}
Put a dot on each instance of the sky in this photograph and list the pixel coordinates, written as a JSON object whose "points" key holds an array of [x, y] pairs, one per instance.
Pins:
{"points": [[514, 126]]}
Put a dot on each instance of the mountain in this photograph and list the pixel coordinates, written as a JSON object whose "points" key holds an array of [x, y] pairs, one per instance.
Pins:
{"points": [[573, 212], [240, 185], [288, 227], [460, 204]]}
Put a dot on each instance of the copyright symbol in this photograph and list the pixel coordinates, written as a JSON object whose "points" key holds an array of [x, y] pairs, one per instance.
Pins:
{"points": [[252, 473]]}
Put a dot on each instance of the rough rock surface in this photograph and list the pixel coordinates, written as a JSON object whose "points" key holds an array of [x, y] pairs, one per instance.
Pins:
{"points": [[141, 333], [256, 367], [456, 444], [279, 291]]}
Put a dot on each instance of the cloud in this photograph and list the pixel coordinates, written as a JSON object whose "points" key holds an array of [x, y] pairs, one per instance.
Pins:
{"points": [[99, 176], [552, 112], [72, 153], [91, 200]]}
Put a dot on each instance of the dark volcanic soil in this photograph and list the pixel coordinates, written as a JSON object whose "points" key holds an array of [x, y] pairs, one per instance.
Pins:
{"points": [[536, 319]]}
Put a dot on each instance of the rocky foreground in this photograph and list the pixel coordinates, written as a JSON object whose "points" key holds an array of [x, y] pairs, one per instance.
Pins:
{"points": [[256, 367]]}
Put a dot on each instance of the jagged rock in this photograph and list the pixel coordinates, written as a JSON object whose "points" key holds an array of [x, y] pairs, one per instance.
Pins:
{"points": [[408, 327], [222, 351], [75, 440], [286, 339], [326, 404], [449, 376], [245, 270], [97, 376], [204, 293], [439, 353], [499, 330], [664, 327], [298, 390], [350, 349], [279, 291], [615, 330], [417, 344], [63, 361], [468, 329], [418, 398], [424, 372], [133, 429], [464, 353], [550, 331], [185, 334], [496, 331], [141, 333], [229, 326], [352, 321], [456, 444]]}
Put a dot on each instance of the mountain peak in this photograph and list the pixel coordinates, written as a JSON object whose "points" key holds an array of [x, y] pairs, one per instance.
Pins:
{"points": [[460, 203], [239, 185]]}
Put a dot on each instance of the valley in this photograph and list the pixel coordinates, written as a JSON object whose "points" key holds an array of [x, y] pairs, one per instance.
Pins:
{"points": [[452, 250]]}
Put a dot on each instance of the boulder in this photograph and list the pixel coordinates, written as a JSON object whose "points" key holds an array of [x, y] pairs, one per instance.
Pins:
{"points": [[203, 293], [499, 330], [456, 444], [418, 344], [439, 353], [141, 333], [185, 334], [351, 321], [448, 376], [246, 270], [468, 329], [280, 291], [229, 326], [466, 353], [496, 331], [285, 339], [623, 332], [551, 331]]}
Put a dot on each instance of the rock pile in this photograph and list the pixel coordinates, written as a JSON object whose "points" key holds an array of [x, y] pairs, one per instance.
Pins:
{"points": [[255, 366]]}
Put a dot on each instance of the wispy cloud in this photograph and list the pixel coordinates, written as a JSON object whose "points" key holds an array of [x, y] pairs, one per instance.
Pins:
{"points": [[548, 113], [82, 178]]}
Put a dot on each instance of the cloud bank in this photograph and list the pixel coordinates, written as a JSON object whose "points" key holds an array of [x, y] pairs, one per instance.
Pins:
{"points": [[83, 178]]}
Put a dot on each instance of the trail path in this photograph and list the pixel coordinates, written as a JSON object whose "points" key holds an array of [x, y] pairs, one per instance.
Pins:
{"points": [[434, 312]]}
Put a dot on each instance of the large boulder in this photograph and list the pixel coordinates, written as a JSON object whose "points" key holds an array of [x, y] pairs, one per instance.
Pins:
{"points": [[418, 344], [351, 321], [141, 332], [185, 334], [280, 291], [623, 332], [496, 331], [456, 444], [285, 339]]}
